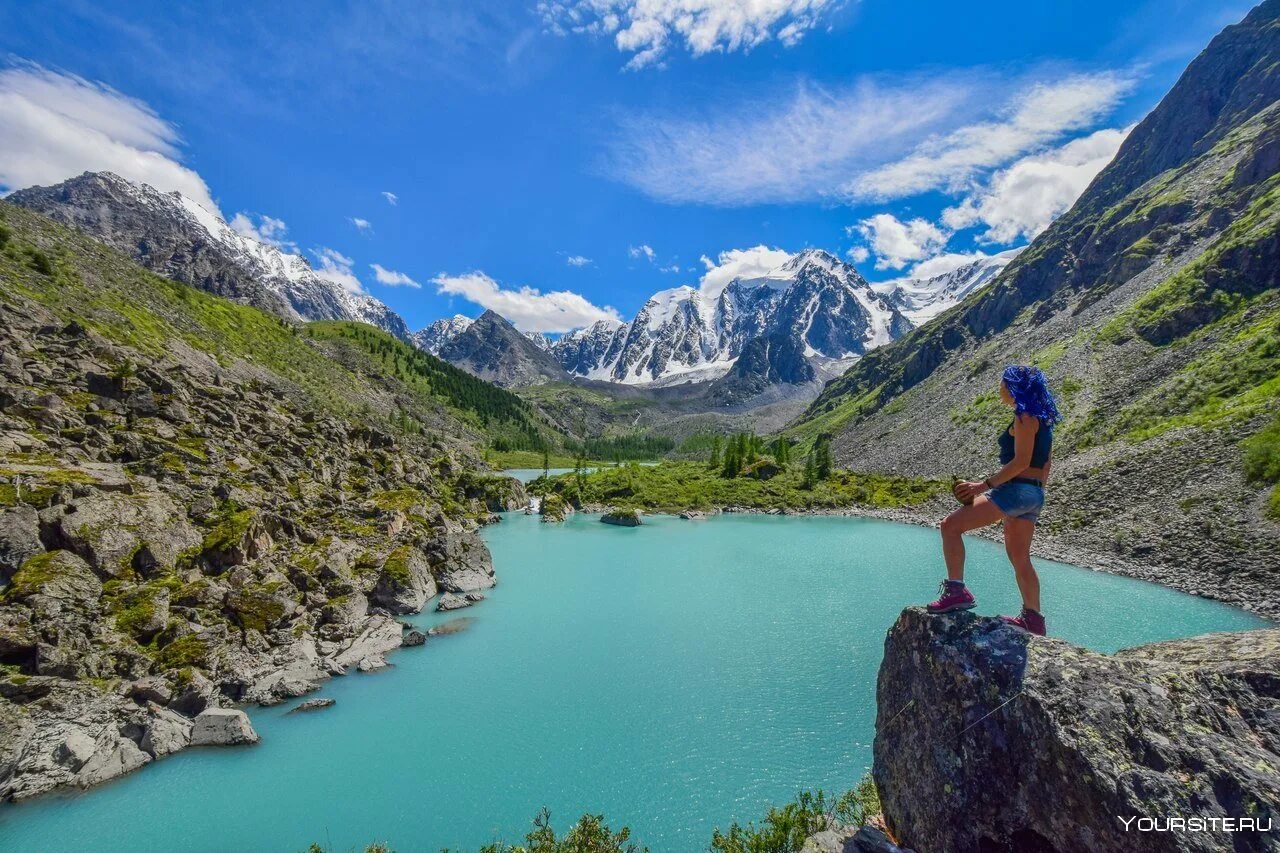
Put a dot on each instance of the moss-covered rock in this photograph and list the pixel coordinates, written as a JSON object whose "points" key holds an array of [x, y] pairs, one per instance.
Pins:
{"points": [[59, 575]]}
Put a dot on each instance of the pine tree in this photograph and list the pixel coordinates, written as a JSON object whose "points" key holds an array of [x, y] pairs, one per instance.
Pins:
{"points": [[732, 461], [546, 461], [715, 453], [822, 449], [810, 471]]}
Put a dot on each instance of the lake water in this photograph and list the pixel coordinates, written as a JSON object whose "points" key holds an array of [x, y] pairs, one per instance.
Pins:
{"points": [[673, 676]]}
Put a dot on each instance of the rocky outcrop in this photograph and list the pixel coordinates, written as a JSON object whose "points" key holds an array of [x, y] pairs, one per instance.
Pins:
{"points": [[181, 532], [988, 739], [622, 517]]}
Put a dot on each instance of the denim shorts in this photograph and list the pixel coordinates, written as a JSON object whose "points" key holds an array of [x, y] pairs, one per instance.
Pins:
{"points": [[1018, 500]]}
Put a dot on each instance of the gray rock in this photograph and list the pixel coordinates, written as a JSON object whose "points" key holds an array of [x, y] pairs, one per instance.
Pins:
{"points": [[381, 635], [55, 580], [457, 601], [114, 757], [111, 530], [19, 538], [76, 750], [988, 738], [405, 582], [151, 689], [312, 705], [167, 733], [461, 562], [413, 637], [222, 727]]}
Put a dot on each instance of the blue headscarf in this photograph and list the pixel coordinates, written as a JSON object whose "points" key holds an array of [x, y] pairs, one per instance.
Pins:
{"points": [[1031, 394]]}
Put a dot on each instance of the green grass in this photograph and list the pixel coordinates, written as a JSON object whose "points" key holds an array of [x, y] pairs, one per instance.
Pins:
{"points": [[675, 486], [1262, 463], [509, 421]]}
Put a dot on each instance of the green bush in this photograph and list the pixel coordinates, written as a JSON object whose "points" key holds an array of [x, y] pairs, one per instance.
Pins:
{"points": [[783, 830], [1262, 463]]}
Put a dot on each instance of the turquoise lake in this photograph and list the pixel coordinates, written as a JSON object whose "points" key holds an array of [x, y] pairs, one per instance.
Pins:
{"points": [[674, 676]]}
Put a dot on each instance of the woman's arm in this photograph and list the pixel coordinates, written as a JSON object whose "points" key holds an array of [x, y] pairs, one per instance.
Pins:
{"points": [[1024, 441]]}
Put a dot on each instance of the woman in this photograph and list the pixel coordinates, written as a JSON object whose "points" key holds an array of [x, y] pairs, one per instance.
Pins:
{"points": [[1015, 494]]}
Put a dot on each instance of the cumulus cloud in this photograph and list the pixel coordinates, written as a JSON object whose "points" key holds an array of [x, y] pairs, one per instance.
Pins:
{"points": [[896, 243], [527, 308], [670, 268], [392, 278], [264, 229], [738, 263], [1039, 116], [642, 251], [945, 263], [53, 126], [364, 226], [337, 268], [647, 28], [577, 261], [392, 198], [1021, 200], [858, 254]]}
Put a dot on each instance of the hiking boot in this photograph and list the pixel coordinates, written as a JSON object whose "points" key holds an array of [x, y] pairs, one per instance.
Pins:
{"points": [[952, 596], [1028, 620]]}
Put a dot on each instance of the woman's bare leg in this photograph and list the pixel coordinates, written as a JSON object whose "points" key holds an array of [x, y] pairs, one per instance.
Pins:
{"points": [[1017, 544], [980, 513]]}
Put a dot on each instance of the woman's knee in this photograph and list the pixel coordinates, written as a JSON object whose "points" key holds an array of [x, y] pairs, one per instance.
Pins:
{"points": [[952, 526]]}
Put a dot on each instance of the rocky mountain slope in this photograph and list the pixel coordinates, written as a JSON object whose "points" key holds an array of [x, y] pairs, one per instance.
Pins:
{"points": [[178, 238], [1154, 307], [201, 505], [493, 349], [990, 739]]}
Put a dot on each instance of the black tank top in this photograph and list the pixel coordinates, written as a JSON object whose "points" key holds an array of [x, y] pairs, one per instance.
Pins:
{"points": [[1039, 454]]}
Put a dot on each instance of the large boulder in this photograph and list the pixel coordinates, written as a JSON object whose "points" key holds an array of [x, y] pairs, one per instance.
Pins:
{"points": [[57, 578], [405, 582], [461, 562], [19, 538], [117, 533], [988, 739], [222, 727]]}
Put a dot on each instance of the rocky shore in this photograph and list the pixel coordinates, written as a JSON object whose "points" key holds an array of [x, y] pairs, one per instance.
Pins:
{"points": [[182, 534]]}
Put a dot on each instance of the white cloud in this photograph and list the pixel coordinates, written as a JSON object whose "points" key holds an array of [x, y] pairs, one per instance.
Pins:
{"points": [[738, 263], [527, 308], [858, 254], [672, 268], [392, 198], [1039, 116], [267, 229], [646, 28], [944, 263], [876, 138], [364, 226], [1021, 200], [392, 278], [54, 126], [897, 243], [642, 251], [336, 267], [798, 146], [577, 261]]}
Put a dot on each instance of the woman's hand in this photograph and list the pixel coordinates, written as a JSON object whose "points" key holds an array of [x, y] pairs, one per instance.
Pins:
{"points": [[968, 490]]}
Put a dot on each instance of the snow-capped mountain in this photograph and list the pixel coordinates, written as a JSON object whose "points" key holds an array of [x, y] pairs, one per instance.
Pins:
{"points": [[434, 337], [688, 334], [178, 238], [922, 299]]}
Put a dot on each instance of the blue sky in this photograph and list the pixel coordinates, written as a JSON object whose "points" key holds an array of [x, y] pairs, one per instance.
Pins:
{"points": [[589, 150]]}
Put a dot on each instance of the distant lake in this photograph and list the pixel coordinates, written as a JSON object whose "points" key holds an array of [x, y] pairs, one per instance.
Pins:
{"points": [[673, 676]]}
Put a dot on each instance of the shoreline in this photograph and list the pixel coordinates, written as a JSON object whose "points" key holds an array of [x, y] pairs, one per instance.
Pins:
{"points": [[1046, 546]]}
